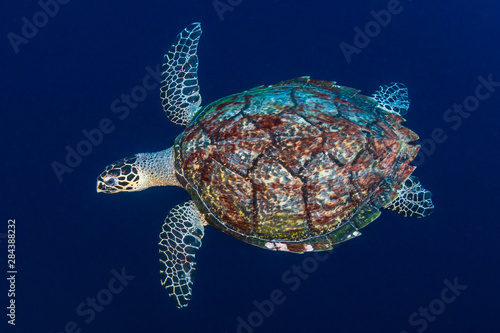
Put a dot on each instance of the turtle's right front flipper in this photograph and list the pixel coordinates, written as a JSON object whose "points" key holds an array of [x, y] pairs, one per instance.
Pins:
{"points": [[180, 239], [179, 89]]}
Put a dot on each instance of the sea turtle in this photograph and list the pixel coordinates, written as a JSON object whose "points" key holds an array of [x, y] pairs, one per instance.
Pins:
{"points": [[296, 166]]}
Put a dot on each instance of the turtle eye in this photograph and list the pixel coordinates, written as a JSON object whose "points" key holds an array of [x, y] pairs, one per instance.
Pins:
{"points": [[111, 181]]}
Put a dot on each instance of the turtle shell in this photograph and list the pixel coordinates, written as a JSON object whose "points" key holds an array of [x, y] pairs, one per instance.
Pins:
{"points": [[296, 166]]}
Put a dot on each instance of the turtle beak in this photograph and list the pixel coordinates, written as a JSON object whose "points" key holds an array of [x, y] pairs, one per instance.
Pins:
{"points": [[100, 186]]}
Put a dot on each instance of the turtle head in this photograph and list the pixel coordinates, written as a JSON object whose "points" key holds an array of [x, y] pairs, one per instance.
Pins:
{"points": [[138, 172], [121, 176]]}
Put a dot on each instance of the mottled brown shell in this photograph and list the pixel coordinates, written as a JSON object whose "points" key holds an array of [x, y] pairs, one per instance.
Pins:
{"points": [[297, 166]]}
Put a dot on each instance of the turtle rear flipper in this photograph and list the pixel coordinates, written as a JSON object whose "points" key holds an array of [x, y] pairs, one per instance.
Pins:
{"points": [[393, 98], [412, 200], [180, 239], [179, 89]]}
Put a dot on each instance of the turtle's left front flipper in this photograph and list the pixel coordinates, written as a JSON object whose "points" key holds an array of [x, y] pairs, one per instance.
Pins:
{"points": [[413, 199], [180, 239]]}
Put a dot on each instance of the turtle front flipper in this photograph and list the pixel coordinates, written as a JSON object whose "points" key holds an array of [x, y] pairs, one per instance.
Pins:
{"points": [[179, 89], [393, 98], [180, 239], [413, 199]]}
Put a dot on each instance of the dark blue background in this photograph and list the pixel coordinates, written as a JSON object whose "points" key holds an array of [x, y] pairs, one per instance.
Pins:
{"points": [[69, 238]]}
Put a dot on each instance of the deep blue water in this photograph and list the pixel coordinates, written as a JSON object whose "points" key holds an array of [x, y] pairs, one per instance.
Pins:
{"points": [[71, 242]]}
